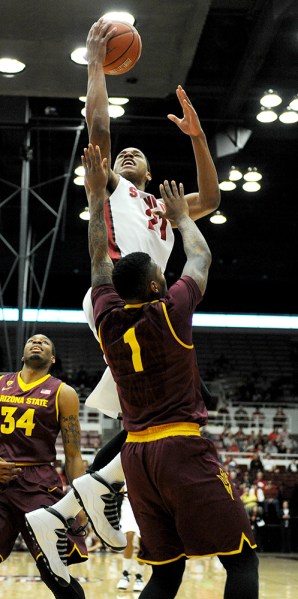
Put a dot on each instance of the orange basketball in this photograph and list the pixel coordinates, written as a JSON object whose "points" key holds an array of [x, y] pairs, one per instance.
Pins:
{"points": [[123, 49]]}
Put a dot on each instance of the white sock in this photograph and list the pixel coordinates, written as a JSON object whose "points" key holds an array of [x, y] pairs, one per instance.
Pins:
{"points": [[113, 472], [127, 564], [139, 568], [68, 506]]}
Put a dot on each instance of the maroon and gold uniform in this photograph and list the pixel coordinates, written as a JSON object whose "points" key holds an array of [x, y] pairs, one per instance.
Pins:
{"points": [[182, 498], [29, 426]]}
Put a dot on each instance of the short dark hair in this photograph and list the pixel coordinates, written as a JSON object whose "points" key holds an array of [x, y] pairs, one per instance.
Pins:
{"points": [[132, 274]]}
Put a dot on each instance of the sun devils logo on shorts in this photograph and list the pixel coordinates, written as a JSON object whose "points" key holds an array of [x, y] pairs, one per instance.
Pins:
{"points": [[225, 480]]}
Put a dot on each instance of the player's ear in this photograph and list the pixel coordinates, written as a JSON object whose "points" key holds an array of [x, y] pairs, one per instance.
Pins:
{"points": [[154, 287], [53, 359], [148, 177]]}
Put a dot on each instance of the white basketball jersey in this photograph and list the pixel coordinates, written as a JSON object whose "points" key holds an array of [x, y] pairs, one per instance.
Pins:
{"points": [[132, 226]]}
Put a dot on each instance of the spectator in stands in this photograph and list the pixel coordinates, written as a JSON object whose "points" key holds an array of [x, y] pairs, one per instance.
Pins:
{"points": [[274, 435], [249, 499], [271, 492], [256, 465], [268, 462], [241, 438], [257, 524], [260, 483], [285, 517], [244, 480], [241, 417], [270, 447]]}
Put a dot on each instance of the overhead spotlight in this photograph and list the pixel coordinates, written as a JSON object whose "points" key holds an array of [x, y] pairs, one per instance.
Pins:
{"points": [[118, 101], [266, 115], [251, 186], [294, 103], [227, 185], [115, 111], [83, 112], [11, 66], [80, 171], [79, 56], [252, 174], [85, 214], [289, 116], [79, 181], [83, 98], [235, 174], [218, 218], [270, 99], [126, 17]]}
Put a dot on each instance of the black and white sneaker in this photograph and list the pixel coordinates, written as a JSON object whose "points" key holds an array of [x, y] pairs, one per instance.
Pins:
{"points": [[99, 501], [48, 529]]}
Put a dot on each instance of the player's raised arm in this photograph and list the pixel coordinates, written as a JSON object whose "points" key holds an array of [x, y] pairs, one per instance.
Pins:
{"points": [[207, 199], [198, 255]]}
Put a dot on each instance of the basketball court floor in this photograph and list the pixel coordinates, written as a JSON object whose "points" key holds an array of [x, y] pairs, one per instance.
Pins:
{"points": [[203, 579]]}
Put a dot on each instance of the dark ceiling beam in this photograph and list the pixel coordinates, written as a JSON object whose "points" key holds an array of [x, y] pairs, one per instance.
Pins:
{"points": [[263, 33]]}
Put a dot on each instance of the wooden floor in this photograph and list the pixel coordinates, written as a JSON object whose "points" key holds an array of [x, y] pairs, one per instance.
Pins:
{"points": [[203, 579]]}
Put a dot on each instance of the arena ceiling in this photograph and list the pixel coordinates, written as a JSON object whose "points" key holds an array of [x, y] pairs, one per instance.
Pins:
{"points": [[225, 53]]}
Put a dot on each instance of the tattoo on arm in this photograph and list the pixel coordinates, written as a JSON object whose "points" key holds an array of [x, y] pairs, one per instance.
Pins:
{"points": [[101, 264], [70, 430]]}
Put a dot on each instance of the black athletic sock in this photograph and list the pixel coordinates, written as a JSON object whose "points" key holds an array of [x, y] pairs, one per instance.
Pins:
{"points": [[108, 452], [165, 581], [242, 574], [72, 591]]}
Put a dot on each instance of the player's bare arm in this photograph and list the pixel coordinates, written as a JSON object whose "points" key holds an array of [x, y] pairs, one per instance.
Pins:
{"points": [[207, 199], [198, 255], [96, 175], [69, 406], [97, 115]]}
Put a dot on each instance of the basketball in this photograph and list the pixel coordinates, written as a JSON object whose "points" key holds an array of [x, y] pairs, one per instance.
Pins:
{"points": [[123, 49]]}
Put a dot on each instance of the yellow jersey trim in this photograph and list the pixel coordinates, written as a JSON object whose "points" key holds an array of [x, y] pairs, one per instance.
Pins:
{"points": [[128, 306], [171, 328], [173, 429], [28, 386], [174, 559]]}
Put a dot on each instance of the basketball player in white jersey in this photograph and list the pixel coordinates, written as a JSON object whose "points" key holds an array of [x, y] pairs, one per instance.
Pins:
{"points": [[131, 221]]}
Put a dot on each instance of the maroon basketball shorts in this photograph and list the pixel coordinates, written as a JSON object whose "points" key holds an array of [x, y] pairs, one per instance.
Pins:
{"points": [[183, 500], [35, 487]]}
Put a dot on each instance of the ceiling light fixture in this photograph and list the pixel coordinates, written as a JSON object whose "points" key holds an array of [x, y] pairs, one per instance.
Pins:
{"points": [[83, 98], [118, 101], [218, 218], [115, 111], [235, 174], [251, 186], [266, 116], [252, 174], [79, 181], [288, 116], [85, 214], [270, 99], [227, 186], [126, 17], [294, 103], [80, 171], [11, 66], [79, 56]]}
